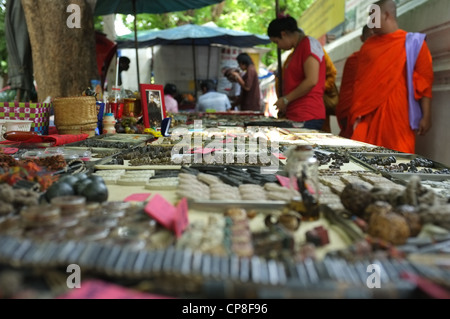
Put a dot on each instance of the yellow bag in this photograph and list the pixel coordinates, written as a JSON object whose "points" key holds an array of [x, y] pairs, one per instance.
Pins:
{"points": [[331, 99]]}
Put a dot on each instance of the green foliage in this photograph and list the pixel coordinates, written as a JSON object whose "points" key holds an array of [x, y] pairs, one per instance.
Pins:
{"points": [[3, 50], [98, 23], [242, 15]]}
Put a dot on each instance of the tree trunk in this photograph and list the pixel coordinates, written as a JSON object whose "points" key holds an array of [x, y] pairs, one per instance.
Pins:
{"points": [[64, 58]]}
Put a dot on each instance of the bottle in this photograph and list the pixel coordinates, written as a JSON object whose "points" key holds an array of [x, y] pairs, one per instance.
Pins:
{"points": [[303, 169], [109, 123], [106, 101], [117, 102]]}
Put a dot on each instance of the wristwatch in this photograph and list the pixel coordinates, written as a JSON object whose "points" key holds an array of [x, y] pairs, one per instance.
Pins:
{"points": [[285, 100]]}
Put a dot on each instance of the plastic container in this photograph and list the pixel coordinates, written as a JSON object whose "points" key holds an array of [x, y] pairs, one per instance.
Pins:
{"points": [[18, 125], [109, 122], [2, 129]]}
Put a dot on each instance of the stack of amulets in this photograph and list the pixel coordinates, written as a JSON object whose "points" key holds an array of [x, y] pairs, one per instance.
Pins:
{"points": [[205, 186]]}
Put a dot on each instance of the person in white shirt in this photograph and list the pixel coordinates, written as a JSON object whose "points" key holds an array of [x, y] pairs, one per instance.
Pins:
{"points": [[211, 100], [170, 90]]}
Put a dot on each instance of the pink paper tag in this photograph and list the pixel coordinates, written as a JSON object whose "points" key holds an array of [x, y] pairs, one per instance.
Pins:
{"points": [[10, 150], [162, 211], [97, 289], [182, 219], [205, 150], [279, 155], [284, 181], [142, 197]]}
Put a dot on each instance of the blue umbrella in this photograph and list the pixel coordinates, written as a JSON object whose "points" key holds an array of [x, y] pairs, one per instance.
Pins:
{"points": [[191, 34]]}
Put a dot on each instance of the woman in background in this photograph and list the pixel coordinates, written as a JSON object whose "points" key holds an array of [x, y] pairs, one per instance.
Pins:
{"points": [[170, 91], [250, 97], [303, 76]]}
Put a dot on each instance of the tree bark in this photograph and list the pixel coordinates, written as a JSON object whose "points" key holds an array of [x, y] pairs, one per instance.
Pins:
{"points": [[64, 58]]}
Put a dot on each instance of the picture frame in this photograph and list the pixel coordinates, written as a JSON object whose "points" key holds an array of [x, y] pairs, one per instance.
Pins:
{"points": [[153, 106]]}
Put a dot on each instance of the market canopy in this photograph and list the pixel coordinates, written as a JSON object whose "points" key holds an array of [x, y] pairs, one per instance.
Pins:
{"points": [[134, 7], [192, 34]]}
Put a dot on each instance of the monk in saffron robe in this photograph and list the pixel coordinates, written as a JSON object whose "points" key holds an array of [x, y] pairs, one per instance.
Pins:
{"points": [[380, 110], [347, 83]]}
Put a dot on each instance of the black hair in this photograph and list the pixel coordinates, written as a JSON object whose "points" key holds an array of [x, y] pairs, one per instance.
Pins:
{"points": [[124, 59], [287, 24], [245, 59], [228, 71], [209, 85], [170, 88]]}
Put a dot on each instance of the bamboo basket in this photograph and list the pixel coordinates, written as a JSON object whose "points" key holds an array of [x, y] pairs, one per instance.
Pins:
{"points": [[77, 129], [75, 115]]}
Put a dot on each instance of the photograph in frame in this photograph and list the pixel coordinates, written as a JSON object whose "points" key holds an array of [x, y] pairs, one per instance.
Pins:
{"points": [[153, 107]]}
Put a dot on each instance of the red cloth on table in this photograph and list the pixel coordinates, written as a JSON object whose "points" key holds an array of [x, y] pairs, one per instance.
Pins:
{"points": [[54, 139]]}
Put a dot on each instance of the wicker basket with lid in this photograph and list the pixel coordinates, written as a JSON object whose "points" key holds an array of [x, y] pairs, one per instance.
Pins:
{"points": [[75, 114]]}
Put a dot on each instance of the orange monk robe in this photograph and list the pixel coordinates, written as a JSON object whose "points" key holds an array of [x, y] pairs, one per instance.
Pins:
{"points": [[346, 92], [380, 99]]}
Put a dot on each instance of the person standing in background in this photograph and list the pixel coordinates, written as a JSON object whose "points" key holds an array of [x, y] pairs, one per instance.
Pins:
{"points": [[393, 85], [250, 97], [170, 91], [303, 74], [124, 65], [235, 89], [347, 83]]}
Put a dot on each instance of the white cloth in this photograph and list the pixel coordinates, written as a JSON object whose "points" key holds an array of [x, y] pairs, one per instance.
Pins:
{"points": [[213, 101]]}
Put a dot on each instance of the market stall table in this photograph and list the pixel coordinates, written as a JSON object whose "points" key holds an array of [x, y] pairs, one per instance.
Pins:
{"points": [[236, 243]]}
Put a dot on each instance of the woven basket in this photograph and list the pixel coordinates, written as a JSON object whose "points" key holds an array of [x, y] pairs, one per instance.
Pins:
{"points": [[75, 111], [77, 129]]}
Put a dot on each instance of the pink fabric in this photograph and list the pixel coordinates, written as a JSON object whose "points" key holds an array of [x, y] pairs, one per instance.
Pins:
{"points": [[170, 103]]}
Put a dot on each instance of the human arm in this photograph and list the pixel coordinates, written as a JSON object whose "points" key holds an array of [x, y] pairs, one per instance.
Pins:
{"points": [[423, 83], [311, 71], [425, 122], [227, 103], [238, 78], [250, 78]]}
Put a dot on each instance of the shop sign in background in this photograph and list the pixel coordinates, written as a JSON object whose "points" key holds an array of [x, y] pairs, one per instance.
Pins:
{"points": [[322, 16]]}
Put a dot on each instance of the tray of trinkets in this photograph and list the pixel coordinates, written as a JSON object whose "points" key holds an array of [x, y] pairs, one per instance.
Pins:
{"points": [[402, 166], [118, 141]]}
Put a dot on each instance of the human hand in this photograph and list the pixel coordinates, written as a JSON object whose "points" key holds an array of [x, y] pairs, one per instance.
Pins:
{"points": [[235, 75], [424, 126], [281, 106], [281, 115]]}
